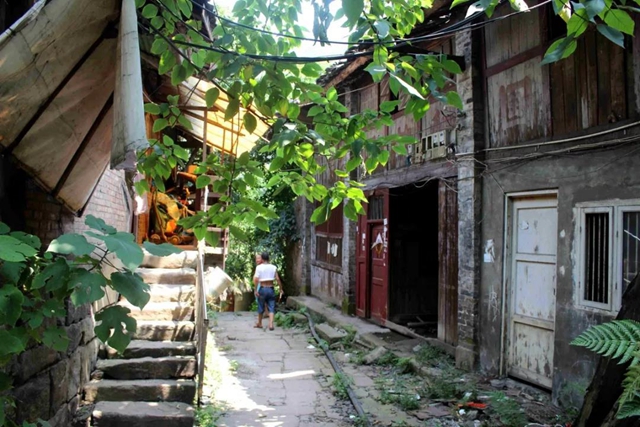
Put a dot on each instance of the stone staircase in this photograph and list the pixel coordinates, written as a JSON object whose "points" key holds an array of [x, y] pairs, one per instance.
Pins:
{"points": [[153, 382]]}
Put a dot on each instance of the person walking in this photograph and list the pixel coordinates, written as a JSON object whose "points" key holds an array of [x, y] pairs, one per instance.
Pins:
{"points": [[265, 278]]}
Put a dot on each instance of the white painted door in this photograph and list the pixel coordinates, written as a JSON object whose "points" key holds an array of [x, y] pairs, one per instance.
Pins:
{"points": [[532, 289]]}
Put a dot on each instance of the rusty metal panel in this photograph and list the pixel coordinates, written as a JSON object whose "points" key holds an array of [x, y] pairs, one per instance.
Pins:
{"points": [[518, 100], [532, 298], [448, 264]]}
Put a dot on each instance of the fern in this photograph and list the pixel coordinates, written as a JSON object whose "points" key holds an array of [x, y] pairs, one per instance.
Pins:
{"points": [[618, 339]]}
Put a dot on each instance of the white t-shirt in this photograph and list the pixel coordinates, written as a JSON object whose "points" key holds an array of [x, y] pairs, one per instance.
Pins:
{"points": [[265, 273]]}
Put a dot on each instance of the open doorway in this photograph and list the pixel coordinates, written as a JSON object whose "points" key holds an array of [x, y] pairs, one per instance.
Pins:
{"points": [[413, 296]]}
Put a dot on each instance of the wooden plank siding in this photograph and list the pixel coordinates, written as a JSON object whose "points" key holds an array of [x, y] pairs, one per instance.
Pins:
{"points": [[528, 101]]}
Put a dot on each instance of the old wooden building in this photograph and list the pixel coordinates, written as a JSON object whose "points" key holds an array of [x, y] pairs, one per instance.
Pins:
{"points": [[514, 224]]}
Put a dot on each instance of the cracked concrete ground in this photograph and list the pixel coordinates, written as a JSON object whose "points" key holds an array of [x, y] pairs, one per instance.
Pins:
{"points": [[270, 378]]}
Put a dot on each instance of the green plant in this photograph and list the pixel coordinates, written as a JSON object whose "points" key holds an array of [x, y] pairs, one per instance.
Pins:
{"points": [[507, 411], [618, 339], [341, 383], [448, 385], [234, 365], [348, 339], [404, 365], [36, 286], [387, 359], [360, 421], [430, 355], [208, 416], [226, 347], [284, 320]]}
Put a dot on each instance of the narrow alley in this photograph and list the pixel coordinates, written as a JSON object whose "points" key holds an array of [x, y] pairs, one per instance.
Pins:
{"points": [[258, 377]]}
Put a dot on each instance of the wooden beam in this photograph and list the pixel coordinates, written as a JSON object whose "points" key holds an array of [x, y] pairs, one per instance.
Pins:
{"points": [[212, 122], [83, 145]]}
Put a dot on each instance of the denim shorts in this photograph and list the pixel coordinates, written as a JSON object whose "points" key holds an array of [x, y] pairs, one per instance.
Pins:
{"points": [[266, 296]]}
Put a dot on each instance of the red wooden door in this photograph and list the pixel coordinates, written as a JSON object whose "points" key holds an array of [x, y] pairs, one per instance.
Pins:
{"points": [[362, 265], [379, 254]]}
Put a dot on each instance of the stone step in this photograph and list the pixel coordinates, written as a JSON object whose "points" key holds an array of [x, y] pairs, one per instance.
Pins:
{"points": [[140, 390], [141, 348], [148, 368], [185, 259], [173, 293], [164, 330], [143, 414], [172, 276], [329, 334], [161, 311]]}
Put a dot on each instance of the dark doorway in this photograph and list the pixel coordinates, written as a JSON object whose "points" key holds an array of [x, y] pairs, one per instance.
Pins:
{"points": [[414, 273]]}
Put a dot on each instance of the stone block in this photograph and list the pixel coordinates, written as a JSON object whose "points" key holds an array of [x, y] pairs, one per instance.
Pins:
{"points": [[76, 314], [143, 414], [60, 381], [149, 367], [62, 418], [33, 361], [329, 334], [165, 330], [375, 355], [74, 375], [74, 333], [140, 390], [32, 399], [299, 319]]}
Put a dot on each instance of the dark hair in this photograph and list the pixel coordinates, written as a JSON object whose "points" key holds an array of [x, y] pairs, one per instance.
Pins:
{"points": [[265, 256]]}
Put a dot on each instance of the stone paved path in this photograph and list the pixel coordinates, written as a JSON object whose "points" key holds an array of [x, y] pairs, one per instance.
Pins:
{"points": [[270, 378]]}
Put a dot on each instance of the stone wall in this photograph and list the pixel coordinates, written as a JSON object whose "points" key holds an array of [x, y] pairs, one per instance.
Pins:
{"points": [[48, 384]]}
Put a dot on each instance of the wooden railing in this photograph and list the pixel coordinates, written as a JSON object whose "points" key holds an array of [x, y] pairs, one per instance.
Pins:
{"points": [[202, 319]]}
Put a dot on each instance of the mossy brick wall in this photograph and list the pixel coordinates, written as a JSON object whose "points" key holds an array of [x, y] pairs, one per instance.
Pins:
{"points": [[48, 384]]}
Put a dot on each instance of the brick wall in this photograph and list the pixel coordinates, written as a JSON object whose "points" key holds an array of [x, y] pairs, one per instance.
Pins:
{"points": [[470, 139], [48, 384]]}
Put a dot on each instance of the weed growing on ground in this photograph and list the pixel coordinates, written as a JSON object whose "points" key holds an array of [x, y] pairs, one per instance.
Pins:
{"points": [[388, 359], [208, 416], [284, 320], [340, 384], [507, 411], [226, 347], [234, 365], [403, 365], [448, 385], [360, 421], [401, 423], [357, 357], [348, 340], [430, 355]]}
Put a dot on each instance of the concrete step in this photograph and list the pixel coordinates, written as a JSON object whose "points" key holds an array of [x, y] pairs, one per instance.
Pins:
{"points": [[164, 330], [143, 414], [176, 311], [148, 368], [173, 293], [172, 276], [141, 348], [329, 334], [185, 259], [140, 390]]}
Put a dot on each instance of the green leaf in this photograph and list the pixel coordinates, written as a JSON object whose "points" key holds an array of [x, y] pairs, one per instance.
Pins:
{"points": [[612, 34], [100, 225], [620, 20], [5, 382], [238, 233], [160, 124], [141, 186], [454, 99], [389, 106], [261, 223], [250, 122], [352, 10], [400, 149], [311, 69], [232, 109], [164, 249], [71, 243], [139, 4], [181, 153], [202, 181], [152, 108], [377, 71], [150, 11], [28, 239], [12, 271], [382, 27], [13, 250], [457, 2], [55, 338], [594, 7], [184, 121], [578, 23], [407, 86], [178, 74], [10, 343], [11, 300], [383, 157], [321, 214], [559, 49], [167, 61], [185, 7], [212, 96], [87, 286], [353, 163], [53, 276], [451, 66], [132, 287], [212, 238], [4, 228], [125, 248]]}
